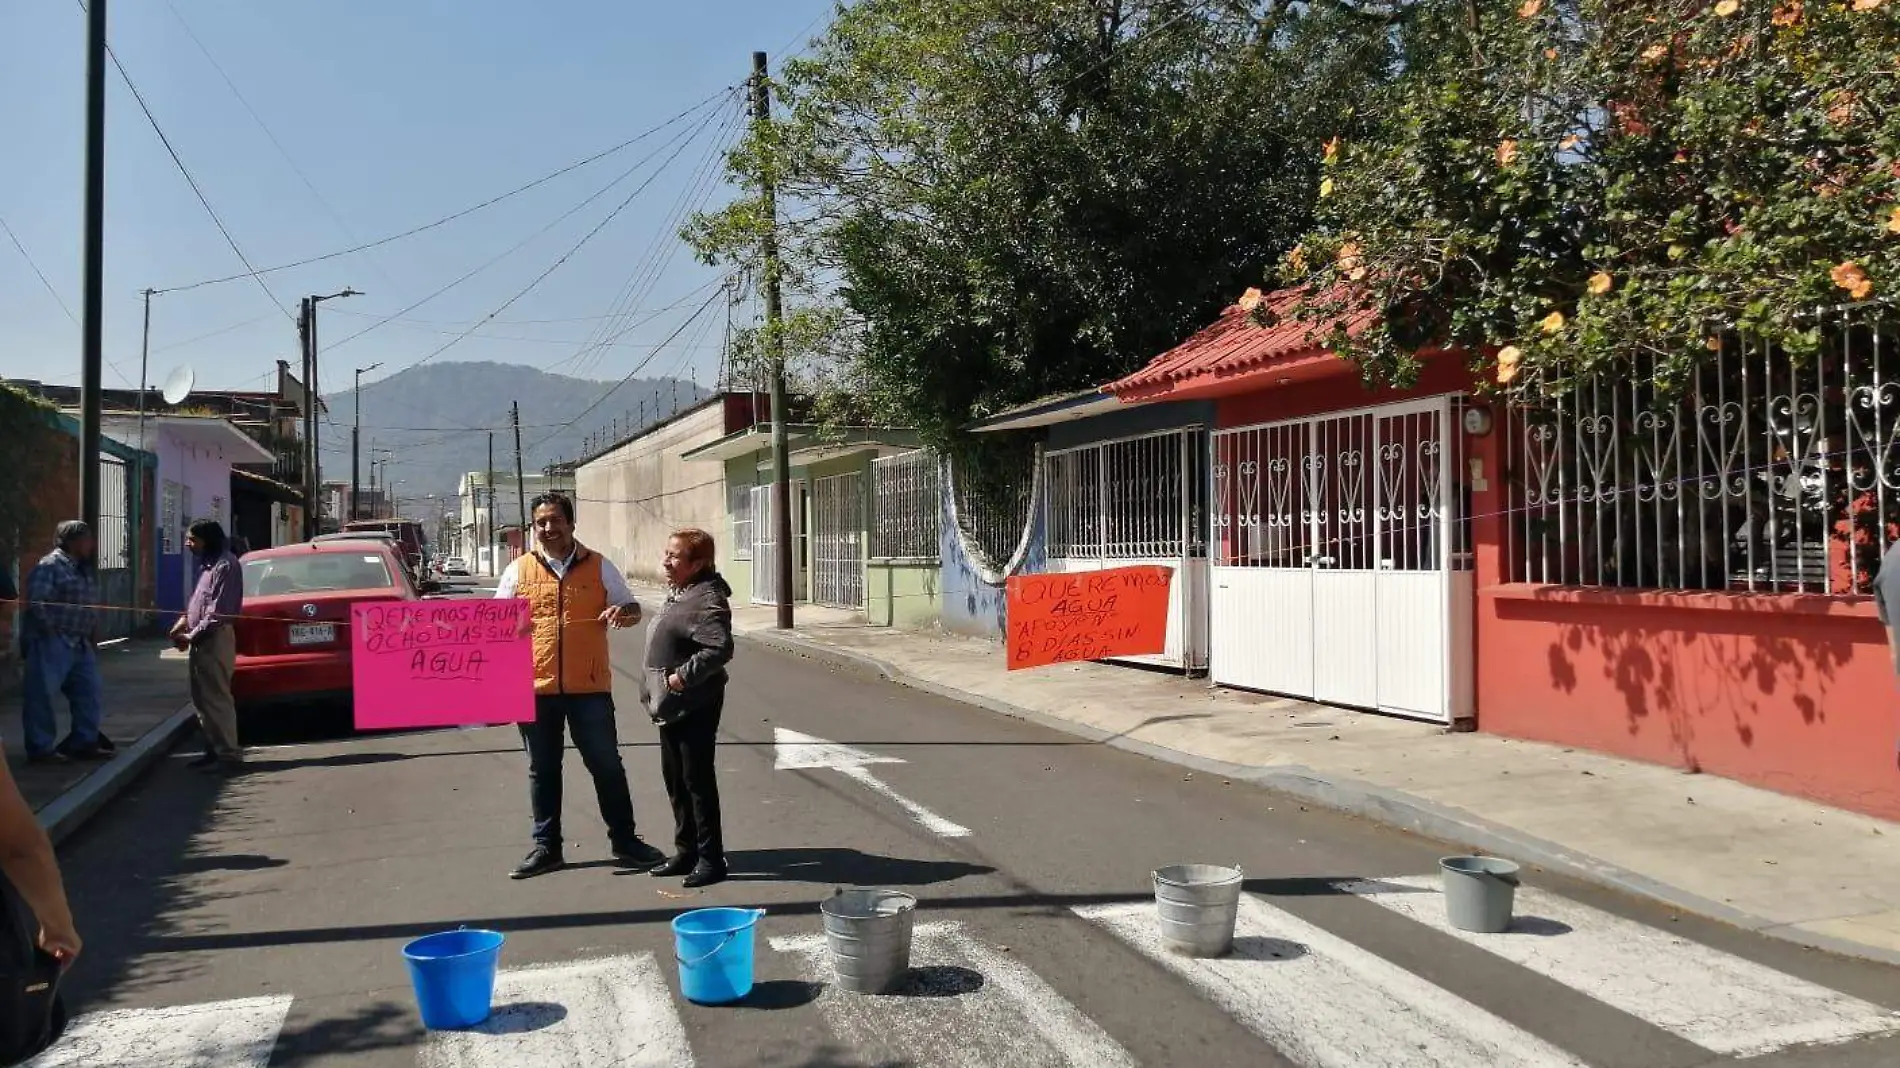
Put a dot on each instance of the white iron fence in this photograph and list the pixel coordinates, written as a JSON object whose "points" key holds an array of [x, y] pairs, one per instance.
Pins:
{"points": [[1132, 499], [906, 507], [1763, 473], [994, 521], [739, 505]]}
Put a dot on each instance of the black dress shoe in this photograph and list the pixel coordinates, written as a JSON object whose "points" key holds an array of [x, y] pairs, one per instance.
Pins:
{"points": [[680, 865], [539, 861], [633, 852], [51, 756], [704, 874], [207, 760], [108, 745], [85, 752]]}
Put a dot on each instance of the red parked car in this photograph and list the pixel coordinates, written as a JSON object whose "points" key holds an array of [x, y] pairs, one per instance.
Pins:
{"points": [[293, 641]]}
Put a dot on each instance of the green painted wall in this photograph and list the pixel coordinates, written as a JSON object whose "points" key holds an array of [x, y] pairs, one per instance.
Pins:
{"points": [[903, 594]]}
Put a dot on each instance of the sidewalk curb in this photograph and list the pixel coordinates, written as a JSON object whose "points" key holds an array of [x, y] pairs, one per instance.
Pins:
{"points": [[70, 810], [1393, 808]]}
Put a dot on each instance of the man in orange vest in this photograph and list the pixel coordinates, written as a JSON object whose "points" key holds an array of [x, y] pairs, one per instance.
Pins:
{"points": [[574, 595]]}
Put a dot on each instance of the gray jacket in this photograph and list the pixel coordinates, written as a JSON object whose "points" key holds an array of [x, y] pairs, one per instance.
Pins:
{"points": [[691, 636], [1887, 599]]}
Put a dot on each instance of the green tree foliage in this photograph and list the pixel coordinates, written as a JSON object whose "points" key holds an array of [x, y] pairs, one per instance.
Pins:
{"points": [[988, 201], [1561, 186]]}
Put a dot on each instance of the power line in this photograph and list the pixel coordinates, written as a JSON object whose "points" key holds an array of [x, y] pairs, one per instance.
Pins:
{"points": [[446, 219], [690, 135], [189, 180], [556, 265], [54, 293], [578, 416]]}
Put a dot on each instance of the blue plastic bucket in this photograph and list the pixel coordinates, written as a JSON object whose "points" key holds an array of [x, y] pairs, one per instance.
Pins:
{"points": [[714, 948], [454, 976]]}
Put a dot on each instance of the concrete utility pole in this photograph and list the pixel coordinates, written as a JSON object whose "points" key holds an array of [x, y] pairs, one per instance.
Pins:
{"points": [[311, 509], [775, 352], [521, 484], [356, 446], [92, 326]]}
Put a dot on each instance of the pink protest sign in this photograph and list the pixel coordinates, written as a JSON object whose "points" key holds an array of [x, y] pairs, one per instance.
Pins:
{"points": [[441, 663]]}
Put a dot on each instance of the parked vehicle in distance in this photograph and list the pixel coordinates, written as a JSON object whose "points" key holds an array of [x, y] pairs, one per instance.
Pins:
{"points": [[293, 639], [455, 566], [408, 533]]}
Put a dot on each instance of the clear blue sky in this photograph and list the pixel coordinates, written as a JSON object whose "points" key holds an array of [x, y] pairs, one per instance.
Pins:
{"points": [[396, 114]]}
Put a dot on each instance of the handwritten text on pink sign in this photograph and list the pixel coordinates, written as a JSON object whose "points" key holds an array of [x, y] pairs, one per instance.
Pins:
{"points": [[441, 663]]}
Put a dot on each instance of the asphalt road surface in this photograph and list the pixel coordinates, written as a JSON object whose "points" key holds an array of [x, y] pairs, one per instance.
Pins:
{"points": [[259, 920]]}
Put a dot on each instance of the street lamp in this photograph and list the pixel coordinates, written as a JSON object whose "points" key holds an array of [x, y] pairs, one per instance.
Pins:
{"points": [[356, 447], [307, 333]]}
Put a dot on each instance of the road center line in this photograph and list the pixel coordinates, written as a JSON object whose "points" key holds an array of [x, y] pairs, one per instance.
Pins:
{"points": [[931, 822]]}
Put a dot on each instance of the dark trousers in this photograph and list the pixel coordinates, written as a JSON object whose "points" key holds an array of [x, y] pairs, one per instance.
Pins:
{"points": [[590, 716], [686, 762]]}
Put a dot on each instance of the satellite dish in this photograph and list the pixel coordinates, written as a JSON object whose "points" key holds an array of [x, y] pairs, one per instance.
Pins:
{"points": [[178, 385]]}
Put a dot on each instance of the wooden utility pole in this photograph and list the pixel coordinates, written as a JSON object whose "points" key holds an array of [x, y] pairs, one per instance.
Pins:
{"points": [[775, 356], [521, 484]]}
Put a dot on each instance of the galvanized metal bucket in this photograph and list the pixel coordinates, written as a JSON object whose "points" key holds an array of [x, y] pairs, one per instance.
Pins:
{"points": [[1479, 892], [1197, 905], [869, 932]]}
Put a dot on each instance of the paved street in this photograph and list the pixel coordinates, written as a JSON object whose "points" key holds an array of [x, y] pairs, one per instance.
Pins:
{"points": [[258, 921]]}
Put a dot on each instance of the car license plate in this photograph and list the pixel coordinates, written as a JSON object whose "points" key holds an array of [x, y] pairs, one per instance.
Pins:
{"points": [[312, 633]]}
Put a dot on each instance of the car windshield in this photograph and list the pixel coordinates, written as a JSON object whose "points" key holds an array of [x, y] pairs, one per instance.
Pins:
{"points": [[314, 572]]}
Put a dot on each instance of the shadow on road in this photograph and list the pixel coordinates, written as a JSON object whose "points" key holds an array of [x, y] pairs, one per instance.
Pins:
{"points": [[383, 1025], [845, 867]]}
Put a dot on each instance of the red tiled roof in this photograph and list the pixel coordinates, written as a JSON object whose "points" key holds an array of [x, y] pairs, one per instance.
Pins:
{"points": [[1233, 346]]}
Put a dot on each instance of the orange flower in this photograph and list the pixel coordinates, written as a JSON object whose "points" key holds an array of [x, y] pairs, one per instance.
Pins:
{"points": [[1251, 298], [1552, 323], [1296, 259], [1569, 142], [1713, 344], [1682, 157], [1508, 360], [1866, 5], [1507, 152], [1841, 111], [1530, 8], [1550, 53], [1600, 283], [1787, 14], [1851, 277], [1728, 7], [1350, 263], [1332, 151], [1655, 52], [1325, 187], [1893, 221]]}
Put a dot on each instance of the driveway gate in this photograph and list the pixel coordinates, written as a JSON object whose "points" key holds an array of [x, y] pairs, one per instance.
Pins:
{"points": [[1342, 560], [1139, 500]]}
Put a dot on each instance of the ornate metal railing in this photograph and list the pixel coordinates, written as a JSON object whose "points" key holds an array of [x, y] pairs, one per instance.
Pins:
{"points": [[906, 507]]}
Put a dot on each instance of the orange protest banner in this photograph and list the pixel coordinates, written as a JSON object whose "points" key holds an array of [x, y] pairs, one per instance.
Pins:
{"points": [[1088, 615]]}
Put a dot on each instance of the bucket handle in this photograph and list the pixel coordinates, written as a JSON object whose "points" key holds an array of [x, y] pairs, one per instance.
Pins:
{"points": [[723, 943], [1509, 880]]}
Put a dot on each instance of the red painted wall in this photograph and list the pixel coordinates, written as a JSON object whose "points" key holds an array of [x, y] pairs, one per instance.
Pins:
{"points": [[1791, 693]]}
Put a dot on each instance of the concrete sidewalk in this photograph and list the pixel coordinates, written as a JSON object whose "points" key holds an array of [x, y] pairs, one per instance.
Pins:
{"points": [[1791, 868], [147, 707]]}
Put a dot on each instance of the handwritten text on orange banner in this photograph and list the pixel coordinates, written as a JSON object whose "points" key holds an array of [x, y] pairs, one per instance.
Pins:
{"points": [[1089, 615]]}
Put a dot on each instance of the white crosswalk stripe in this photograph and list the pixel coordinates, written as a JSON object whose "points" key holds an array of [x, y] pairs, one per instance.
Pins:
{"points": [[1716, 1000], [968, 1006], [1323, 1002], [616, 1012], [222, 1034]]}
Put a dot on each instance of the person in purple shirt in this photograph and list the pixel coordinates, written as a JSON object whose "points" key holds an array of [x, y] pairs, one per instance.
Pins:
{"points": [[205, 631]]}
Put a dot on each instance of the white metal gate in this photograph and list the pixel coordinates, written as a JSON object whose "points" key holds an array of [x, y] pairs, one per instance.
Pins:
{"points": [[838, 541], [1342, 561], [1137, 500], [764, 540]]}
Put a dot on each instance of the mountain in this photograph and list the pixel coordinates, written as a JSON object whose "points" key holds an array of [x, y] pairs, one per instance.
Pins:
{"points": [[433, 421]]}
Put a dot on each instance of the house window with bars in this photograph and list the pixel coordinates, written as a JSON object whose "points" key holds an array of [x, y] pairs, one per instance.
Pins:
{"points": [[739, 504], [906, 506]]}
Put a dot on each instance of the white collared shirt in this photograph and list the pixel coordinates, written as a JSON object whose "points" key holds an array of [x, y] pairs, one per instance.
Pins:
{"points": [[619, 593]]}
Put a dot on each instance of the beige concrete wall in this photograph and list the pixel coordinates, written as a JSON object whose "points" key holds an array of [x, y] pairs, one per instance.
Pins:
{"points": [[629, 500]]}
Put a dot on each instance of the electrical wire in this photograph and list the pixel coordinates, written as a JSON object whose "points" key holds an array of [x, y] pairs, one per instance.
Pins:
{"points": [[490, 202], [54, 293], [556, 265], [279, 145], [196, 189], [523, 243], [578, 416]]}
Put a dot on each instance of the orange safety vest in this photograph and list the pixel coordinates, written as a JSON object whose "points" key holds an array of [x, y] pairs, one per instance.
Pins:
{"points": [[570, 641]]}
